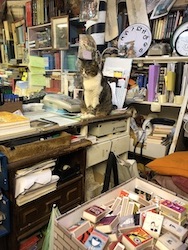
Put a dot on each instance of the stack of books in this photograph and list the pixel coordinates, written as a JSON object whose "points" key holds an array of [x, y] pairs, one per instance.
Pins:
{"points": [[160, 134], [11, 123]]}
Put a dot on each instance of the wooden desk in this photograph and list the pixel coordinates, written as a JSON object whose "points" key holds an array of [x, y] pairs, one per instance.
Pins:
{"points": [[32, 216]]}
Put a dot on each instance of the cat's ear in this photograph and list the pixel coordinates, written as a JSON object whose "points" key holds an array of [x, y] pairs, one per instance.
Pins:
{"points": [[98, 59]]}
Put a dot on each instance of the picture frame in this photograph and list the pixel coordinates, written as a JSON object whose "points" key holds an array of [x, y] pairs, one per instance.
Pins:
{"points": [[60, 32]]}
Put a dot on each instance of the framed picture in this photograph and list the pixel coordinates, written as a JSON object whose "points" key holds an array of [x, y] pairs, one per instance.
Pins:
{"points": [[60, 32]]}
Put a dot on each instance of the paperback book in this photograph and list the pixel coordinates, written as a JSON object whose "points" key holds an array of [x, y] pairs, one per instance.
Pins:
{"points": [[137, 239], [174, 228], [107, 223], [153, 224], [96, 240], [79, 228], [173, 209], [168, 242], [83, 237], [94, 213]]}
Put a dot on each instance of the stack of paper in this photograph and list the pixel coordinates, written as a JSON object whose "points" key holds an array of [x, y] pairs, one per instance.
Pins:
{"points": [[13, 123], [34, 182]]}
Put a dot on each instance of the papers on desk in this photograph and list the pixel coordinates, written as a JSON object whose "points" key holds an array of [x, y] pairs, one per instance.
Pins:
{"points": [[61, 121], [33, 182], [119, 92], [52, 117]]}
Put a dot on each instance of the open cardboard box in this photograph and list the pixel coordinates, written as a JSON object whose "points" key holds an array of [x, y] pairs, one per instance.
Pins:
{"points": [[62, 237]]}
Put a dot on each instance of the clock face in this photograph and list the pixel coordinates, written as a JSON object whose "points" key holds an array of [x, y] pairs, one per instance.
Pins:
{"points": [[177, 32], [136, 38], [181, 44]]}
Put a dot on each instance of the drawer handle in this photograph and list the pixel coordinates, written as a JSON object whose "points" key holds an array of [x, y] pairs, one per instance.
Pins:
{"points": [[70, 192]]}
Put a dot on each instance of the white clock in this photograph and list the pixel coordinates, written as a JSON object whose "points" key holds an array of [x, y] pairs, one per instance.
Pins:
{"points": [[179, 40], [181, 44], [136, 38]]}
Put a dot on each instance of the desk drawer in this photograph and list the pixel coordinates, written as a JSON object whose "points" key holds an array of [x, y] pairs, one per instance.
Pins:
{"points": [[38, 211], [98, 153], [120, 145]]}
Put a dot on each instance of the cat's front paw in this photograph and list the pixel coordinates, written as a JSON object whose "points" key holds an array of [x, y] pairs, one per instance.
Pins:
{"points": [[86, 116]]}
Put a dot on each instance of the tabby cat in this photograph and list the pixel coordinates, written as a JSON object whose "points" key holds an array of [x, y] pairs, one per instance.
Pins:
{"points": [[97, 99]]}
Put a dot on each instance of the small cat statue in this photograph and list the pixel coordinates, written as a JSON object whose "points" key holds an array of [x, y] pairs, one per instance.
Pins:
{"points": [[97, 98]]}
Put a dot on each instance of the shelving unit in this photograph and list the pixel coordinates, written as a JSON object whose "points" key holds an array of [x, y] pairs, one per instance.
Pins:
{"points": [[168, 110], [40, 44]]}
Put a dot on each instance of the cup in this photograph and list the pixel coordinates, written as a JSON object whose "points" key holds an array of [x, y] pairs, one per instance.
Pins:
{"points": [[162, 99], [178, 99]]}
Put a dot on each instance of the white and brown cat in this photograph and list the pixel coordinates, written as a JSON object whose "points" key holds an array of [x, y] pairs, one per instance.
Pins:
{"points": [[97, 100]]}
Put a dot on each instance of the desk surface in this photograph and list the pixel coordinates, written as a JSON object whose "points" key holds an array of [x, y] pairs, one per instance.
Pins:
{"points": [[39, 132]]}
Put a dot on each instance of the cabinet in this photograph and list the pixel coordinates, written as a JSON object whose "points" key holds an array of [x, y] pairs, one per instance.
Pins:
{"points": [[111, 135], [32, 216]]}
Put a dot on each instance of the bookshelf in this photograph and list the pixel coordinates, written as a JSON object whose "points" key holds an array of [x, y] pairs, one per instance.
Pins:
{"points": [[167, 109], [40, 44]]}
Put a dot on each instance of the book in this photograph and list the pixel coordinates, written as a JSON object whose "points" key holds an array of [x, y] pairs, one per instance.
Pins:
{"points": [[124, 206], [178, 221], [129, 222], [137, 239], [168, 242], [79, 228], [96, 240], [28, 13], [83, 237], [172, 227], [119, 246], [94, 213], [153, 77], [144, 193], [107, 223], [12, 123], [173, 209], [153, 224]]}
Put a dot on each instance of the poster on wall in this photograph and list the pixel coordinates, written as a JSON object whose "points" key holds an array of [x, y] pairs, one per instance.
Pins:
{"points": [[162, 8]]}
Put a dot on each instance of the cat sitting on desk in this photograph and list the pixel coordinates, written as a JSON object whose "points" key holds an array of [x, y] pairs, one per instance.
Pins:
{"points": [[97, 100]]}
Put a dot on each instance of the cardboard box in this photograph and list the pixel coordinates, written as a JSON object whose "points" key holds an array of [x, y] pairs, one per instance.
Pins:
{"points": [[62, 237]]}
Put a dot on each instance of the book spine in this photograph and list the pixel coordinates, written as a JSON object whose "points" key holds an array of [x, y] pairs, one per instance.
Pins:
{"points": [[153, 77], [57, 59], [34, 12], [28, 10], [179, 74]]}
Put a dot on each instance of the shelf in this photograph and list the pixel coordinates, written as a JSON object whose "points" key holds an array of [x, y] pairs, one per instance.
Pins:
{"points": [[160, 59], [167, 104], [36, 49]]}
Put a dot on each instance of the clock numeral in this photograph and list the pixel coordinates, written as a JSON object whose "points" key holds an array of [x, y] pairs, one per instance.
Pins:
{"points": [[126, 32], [145, 37], [145, 44], [141, 49], [139, 28]]}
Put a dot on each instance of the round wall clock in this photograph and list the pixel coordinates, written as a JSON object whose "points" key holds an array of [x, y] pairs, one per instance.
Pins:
{"points": [[179, 40], [181, 44], [177, 32], [135, 39]]}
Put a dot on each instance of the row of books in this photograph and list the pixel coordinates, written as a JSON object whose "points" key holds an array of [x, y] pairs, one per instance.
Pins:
{"points": [[164, 27], [134, 221], [161, 79]]}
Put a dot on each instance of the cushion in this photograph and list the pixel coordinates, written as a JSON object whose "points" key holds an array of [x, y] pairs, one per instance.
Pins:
{"points": [[166, 182], [181, 182], [173, 164]]}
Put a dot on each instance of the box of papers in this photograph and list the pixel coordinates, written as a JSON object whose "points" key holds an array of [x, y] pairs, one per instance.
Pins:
{"points": [[63, 238]]}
